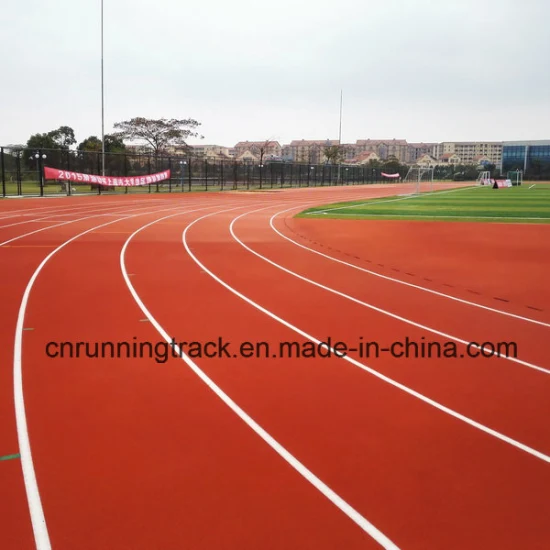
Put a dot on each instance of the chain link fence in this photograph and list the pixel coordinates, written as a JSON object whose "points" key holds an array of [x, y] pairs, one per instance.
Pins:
{"points": [[21, 173]]}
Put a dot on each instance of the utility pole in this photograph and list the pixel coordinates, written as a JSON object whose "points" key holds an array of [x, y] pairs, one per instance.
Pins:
{"points": [[102, 102], [340, 137]]}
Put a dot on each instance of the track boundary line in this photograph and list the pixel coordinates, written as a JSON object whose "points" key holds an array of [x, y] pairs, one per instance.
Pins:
{"points": [[399, 281], [377, 374], [61, 224], [74, 212], [331, 495], [38, 520], [371, 306]]}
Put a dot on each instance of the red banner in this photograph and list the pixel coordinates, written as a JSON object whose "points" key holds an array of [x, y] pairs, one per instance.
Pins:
{"points": [[66, 175], [390, 175]]}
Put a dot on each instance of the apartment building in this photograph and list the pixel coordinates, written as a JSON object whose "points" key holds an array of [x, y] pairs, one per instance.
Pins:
{"points": [[384, 148], [308, 150], [416, 150], [265, 149], [213, 152], [469, 151]]}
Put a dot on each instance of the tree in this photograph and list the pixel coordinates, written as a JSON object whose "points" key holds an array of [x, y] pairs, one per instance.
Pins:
{"points": [[262, 149], [41, 141], [92, 143], [392, 165], [62, 138], [113, 144], [334, 154], [158, 134]]}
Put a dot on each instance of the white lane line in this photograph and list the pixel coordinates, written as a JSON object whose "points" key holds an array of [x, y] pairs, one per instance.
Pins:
{"points": [[373, 307], [75, 221], [394, 383], [399, 281], [38, 520], [75, 212], [338, 501], [375, 202], [53, 210]]}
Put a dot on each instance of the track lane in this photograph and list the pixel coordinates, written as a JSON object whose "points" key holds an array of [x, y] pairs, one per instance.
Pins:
{"points": [[522, 395], [24, 261], [434, 255], [335, 436], [170, 477]]}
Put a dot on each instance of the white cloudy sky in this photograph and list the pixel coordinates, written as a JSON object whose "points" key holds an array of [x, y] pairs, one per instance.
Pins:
{"points": [[419, 70]]}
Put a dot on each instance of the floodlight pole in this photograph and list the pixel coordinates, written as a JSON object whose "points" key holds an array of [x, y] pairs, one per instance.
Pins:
{"points": [[102, 102], [340, 138]]}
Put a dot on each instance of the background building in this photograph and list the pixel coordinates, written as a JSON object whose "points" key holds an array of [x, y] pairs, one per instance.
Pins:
{"points": [[468, 151], [532, 157]]}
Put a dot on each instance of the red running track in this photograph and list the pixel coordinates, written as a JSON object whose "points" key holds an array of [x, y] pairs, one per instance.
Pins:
{"points": [[270, 452]]}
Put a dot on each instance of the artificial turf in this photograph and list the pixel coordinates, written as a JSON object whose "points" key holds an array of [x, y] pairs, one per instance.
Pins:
{"points": [[528, 203]]}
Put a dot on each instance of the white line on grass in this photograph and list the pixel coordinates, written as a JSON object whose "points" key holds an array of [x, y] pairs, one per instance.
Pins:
{"points": [[465, 217], [402, 198]]}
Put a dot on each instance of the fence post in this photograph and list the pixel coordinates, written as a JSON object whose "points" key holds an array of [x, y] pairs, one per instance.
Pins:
{"points": [[206, 174], [40, 180], [189, 173]]}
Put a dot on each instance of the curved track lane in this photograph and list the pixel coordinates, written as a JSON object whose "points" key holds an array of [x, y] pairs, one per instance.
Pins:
{"points": [[136, 453]]}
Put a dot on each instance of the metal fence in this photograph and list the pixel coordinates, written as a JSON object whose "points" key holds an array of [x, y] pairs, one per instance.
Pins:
{"points": [[21, 173]]}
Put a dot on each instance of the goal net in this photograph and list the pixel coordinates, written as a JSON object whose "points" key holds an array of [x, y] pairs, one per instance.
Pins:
{"points": [[515, 176], [484, 178], [421, 176]]}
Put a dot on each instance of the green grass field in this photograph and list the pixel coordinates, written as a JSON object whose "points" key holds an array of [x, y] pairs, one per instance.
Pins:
{"points": [[529, 203]]}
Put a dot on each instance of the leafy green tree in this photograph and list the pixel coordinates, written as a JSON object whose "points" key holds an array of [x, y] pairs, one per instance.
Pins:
{"points": [[113, 144], [157, 134], [41, 141], [92, 143], [63, 137]]}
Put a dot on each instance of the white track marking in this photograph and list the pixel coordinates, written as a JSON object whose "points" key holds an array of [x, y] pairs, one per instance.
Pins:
{"points": [[371, 306], [38, 520], [75, 221], [45, 219], [53, 210], [370, 202], [379, 375], [338, 501], [399, 281]]}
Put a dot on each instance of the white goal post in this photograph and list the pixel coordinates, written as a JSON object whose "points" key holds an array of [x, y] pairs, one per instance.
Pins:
{"points": [[484, 178], [420, 174]]}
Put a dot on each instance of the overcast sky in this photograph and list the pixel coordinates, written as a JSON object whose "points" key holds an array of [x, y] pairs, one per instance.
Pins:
{"points": [[419, 70]]}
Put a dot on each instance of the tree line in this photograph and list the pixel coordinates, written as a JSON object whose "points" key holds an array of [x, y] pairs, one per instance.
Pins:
{"points": [[154, 135]]}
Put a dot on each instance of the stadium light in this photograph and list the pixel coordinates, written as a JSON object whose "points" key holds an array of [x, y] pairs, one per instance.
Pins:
{"points": [[182, 164]]}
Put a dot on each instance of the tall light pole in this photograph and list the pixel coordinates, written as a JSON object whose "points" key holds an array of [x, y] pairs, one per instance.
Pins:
{"points": [[340, 137], [340, 130], [102, 102]]}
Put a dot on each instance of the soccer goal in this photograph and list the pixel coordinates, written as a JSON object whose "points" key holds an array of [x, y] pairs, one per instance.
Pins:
{"points": [[484, 178], [515, 176], [422, 176]]}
